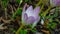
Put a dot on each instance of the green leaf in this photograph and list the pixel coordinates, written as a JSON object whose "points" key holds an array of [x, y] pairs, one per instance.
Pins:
{"points": [[23, 31], [5, 0], [19, 1], [19, 12], [26, 0], [4, 3], [33, 30], [13, 30], [53, 25]]}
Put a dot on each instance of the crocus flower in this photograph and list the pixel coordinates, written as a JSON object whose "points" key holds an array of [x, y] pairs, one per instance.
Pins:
{"points": [[55, 2], [30, 15]]}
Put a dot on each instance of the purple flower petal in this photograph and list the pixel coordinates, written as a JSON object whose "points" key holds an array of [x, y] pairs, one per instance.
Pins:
{"points": [[25, 17], [24, 11], [57, 2], [37, 10], [29, 11], [24, 7], [30, 20], [30, 16], [36, 21], [38, 18]]}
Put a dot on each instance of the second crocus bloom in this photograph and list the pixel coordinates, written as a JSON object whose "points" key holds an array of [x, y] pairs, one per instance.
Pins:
{"points": [[30, 15], [55, 2]]}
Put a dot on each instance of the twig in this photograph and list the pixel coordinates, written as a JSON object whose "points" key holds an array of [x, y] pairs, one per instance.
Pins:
{"points": [[12, 11], [1, 26], [6, 13], [47, 32], [6, 21]]}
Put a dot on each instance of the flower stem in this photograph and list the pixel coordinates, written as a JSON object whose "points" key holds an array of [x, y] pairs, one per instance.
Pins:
{"points": [[17, 32]]}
